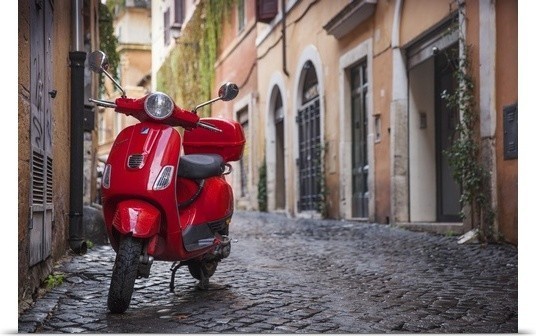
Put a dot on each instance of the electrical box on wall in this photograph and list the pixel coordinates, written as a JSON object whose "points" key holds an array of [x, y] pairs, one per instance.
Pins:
{"points": [[89, 118], [510, 131]]}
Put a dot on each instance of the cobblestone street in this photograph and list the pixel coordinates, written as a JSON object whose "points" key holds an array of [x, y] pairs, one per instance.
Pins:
{"points": [[300, 276]]}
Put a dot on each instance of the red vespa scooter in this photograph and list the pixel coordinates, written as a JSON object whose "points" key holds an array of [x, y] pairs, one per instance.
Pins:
{"points": [[158, 204]]}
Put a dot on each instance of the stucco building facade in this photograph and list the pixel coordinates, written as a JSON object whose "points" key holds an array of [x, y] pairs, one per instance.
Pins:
{"points": [[348, 110], [237, 63], [344, 103]]}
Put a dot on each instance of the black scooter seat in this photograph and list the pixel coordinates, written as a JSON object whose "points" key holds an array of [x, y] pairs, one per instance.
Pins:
{"points": [[200, 166]]}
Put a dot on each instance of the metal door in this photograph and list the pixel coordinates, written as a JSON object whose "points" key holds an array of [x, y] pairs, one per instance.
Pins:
{"points": [[41, 207], [448, 190], [309, 161], [360, 167]]}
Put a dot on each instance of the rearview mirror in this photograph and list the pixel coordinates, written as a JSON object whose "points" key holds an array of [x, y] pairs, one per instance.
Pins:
{"points": [[228, 91], [97, 61]]}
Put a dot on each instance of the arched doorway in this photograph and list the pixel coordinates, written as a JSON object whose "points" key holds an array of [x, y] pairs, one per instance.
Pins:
{"points": [[279, 144]]}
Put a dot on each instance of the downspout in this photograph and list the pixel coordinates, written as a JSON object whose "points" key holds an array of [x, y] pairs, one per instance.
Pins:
{"points": [[77, 59], [284, 35]]}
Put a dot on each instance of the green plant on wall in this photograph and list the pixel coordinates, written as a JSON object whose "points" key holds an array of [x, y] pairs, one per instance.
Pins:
{"points": [[262, 194], [188, 73], [112, 4], [320, 179], [465, 155], [108, 41]]}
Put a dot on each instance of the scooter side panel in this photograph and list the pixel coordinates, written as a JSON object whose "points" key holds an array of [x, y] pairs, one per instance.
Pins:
{"points": [[199, 220]]}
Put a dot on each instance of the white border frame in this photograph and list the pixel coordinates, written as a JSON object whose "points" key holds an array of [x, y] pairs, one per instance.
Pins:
{"points": [[360, 53], [277, 81], [246, 102]]}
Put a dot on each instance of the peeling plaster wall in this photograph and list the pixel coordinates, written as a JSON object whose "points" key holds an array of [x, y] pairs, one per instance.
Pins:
{"points": [[30, 278]]}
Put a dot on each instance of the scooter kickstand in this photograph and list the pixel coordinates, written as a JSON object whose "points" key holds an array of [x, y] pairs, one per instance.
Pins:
{"points": [[174, 269], [203, 282]]}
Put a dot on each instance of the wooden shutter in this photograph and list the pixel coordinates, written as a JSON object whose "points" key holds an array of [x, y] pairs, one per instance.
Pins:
{"points": [[266, 10], [41, 207]]}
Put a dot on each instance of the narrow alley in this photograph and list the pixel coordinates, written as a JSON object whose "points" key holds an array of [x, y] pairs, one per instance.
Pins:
{"points": [[300, 276]]}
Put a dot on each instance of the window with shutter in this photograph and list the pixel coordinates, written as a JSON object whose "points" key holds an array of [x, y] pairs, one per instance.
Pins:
{"points": [[167, 28], [41, 191], [510, 131], [179, 13], [266, 10]]}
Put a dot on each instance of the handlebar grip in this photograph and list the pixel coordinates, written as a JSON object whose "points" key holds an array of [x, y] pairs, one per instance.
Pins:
{"points": [[103, 103], [208, 126]]}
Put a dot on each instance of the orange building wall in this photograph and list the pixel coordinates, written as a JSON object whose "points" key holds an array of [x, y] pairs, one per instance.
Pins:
{"points": [[429, 14], [382, 95], [507, 94], [237, 61]]}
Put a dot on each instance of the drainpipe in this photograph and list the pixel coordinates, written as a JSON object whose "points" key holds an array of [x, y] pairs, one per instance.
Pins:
{"points": [[284, 36], [77, 59]]}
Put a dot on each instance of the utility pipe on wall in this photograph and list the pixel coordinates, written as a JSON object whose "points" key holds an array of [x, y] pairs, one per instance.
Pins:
{"points": [[284, 36], [77, 58]]}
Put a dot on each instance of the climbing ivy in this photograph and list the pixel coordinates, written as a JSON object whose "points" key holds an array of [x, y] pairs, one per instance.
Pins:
{"points": [[320, 179], [112, 4], [188, 73], [108, 40], [262, 193], [464, 155]]}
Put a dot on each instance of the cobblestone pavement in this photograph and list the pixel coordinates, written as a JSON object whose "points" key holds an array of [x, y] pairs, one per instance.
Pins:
{"points": [[300, 276]]}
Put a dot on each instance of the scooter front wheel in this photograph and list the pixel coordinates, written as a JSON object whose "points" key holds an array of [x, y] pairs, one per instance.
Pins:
{"points": [[124, 274]]}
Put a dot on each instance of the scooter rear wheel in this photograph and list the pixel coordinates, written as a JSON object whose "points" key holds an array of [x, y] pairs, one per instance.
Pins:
{"points": [[124, 274], [207, 267]]}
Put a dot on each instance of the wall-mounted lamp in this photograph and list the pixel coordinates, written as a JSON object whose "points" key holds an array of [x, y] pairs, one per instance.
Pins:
{"points": [[176, 31]]}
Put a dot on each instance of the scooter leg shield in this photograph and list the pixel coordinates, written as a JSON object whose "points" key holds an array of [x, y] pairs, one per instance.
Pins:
{"points": [[137, 217]]}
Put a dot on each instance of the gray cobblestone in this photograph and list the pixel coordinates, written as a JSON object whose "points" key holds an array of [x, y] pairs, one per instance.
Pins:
{"points": [[300, 276]]}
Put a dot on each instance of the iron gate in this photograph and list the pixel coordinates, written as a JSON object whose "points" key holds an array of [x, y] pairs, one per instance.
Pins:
{"points": [[360, 167], [310, 159]]}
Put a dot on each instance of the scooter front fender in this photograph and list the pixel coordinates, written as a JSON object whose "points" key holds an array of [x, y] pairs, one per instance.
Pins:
{"points": [[138, 217]]}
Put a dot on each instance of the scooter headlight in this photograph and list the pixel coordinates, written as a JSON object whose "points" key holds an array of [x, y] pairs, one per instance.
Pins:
{"points": [[159, 105]]}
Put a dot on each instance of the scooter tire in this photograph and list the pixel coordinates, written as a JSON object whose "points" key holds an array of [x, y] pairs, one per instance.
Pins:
{"points": [[208, 268], [124, 274]]}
